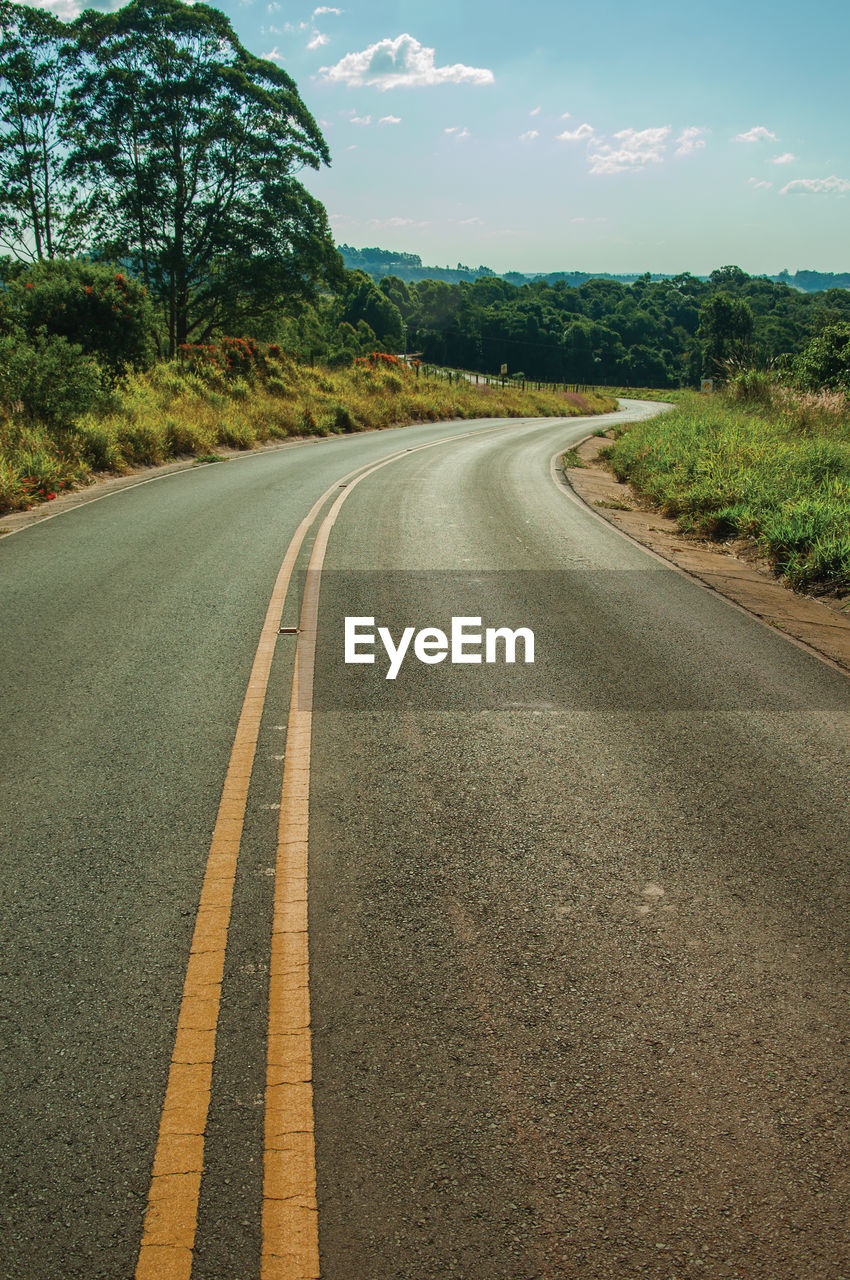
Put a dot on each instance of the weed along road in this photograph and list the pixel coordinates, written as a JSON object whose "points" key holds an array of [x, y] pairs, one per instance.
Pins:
{"points": [[488, 970]]}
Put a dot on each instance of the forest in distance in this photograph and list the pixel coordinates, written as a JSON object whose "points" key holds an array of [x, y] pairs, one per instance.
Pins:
{"points": [[663, 333], [378, 262]]}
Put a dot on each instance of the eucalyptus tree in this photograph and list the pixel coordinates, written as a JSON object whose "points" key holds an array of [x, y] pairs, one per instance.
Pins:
{"points": [[193, 144], [42, 216]]}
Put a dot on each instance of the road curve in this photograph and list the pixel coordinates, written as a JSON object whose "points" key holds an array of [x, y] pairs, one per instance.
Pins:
{"points": [[577, 929]]}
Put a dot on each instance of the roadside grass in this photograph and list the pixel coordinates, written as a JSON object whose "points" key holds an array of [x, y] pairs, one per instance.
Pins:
{"points": [[669, 396], [758, 462], [197, 406], [572, 458]]}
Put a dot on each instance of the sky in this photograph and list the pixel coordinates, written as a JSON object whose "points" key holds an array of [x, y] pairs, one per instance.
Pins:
{"points": [[562, 135]]}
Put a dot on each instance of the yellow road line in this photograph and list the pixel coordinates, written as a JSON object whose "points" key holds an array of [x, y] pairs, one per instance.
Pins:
{"points": [[290, 1214], [172, 1211], [290, 1228]]}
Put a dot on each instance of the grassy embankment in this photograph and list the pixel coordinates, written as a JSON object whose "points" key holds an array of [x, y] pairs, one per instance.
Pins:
{"points": [[195, 408], [671, 395], [759, 462]]}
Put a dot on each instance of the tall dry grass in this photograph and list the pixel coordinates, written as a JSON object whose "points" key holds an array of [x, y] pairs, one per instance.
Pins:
{"points": [[198, 406]]}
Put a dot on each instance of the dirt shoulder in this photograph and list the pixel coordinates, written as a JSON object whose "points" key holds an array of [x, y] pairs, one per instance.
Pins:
{"points": [[731, 569]]}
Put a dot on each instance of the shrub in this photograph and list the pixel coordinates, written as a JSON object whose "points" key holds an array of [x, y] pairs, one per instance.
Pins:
{"points": [[47, 379], [100, 309], [342, 419], [825, 362], [99, 445]]}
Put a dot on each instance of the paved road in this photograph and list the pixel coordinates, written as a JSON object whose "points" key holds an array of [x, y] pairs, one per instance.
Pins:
{"points": [[578, 929]]}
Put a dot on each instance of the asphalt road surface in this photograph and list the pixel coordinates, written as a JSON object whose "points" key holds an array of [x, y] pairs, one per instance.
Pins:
{"points": [[578, 928]]}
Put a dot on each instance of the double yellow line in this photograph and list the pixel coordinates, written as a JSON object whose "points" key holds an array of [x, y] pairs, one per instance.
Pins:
{"points": [[290, 1247]]}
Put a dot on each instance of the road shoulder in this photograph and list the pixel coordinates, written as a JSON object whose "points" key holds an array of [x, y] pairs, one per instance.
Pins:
{"points": [[748, 582]]}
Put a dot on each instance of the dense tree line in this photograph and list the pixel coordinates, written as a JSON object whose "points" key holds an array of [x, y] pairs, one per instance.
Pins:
{"points": [[662, 333]]}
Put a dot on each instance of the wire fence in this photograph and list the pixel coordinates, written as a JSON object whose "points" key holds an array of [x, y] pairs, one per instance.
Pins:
{"points": [[506, 380]]}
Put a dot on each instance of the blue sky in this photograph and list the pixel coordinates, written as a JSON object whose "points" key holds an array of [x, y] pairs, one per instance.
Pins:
{"points": [[554, 135]]}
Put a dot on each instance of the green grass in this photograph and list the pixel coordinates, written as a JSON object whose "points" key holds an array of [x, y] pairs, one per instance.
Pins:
{"points": [[572, 459], [178, 410], [773, 467], [669, 396]]}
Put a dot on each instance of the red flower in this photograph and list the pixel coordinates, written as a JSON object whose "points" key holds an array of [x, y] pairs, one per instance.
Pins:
{"points": [[28, 285], [89, 288]]}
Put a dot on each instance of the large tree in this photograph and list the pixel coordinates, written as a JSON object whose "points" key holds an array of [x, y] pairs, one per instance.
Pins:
{"points": [[193, 144], [41, 216]]}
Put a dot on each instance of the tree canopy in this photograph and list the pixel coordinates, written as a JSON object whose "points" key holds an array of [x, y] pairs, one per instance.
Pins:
{"points": [[185, 147], [41, 215]]}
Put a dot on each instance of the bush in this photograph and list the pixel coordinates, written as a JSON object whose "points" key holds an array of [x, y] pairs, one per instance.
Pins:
{"points": [[825, 362], [342, 419], [101, 310], [47, 379]]}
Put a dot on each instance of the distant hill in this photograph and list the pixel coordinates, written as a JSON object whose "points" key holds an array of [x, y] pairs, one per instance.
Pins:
{"points": [[815, 281], [378, 263]]}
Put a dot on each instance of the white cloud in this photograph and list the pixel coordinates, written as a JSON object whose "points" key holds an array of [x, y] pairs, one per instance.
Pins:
{"points": [[361, 119], [457, 131], [390, 120], [69, 9], [318, 40], [274, 55], [566, 116], [787, 157], [402, 62], [638, 147], [689, 141], [759, 185], [576, 135], [324, 9], [817, 186], [383, 223], [64, 9], [471, 222], [757, 134], [535, 112], [530, 135]]}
